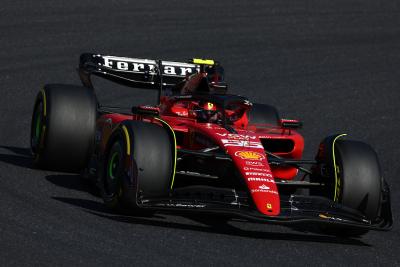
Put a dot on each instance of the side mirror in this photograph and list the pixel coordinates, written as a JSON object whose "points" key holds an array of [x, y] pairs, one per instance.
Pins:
{"points": [[291, 124]]}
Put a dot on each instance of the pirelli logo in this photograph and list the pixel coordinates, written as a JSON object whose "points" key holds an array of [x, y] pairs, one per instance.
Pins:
{"points": [[258, 179]]}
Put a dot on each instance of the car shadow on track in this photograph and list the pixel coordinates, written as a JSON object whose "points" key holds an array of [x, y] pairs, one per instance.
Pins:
{"points": [[20, 157], [212, 225], [74, 182]]}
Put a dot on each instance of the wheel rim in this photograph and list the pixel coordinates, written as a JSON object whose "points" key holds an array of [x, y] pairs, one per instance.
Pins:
{"points": [[37, 128], [113, 172], [113, 165]]}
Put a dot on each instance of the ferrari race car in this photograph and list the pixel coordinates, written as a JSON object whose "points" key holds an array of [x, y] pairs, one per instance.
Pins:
{"points": [[201, 149]]}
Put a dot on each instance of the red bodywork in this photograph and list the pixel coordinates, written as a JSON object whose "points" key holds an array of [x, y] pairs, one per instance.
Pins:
{"points": [[224, 162], [246, 147]]}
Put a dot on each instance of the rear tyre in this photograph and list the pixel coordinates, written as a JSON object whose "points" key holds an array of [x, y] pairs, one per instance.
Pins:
{"points": [[139, 164], [63, 127], [264, 114], [353, 177]]}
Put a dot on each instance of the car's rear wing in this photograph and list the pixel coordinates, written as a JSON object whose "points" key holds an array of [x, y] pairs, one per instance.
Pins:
{"points": [[136, 72]]}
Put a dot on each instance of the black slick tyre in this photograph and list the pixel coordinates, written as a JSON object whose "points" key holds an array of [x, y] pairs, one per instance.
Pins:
{"points": [[353, 178], [138, 164], [359, 178], [63, 127]]}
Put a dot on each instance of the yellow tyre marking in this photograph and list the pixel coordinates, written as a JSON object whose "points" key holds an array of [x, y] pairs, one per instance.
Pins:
{"points": [[44, 102], [174, 161], [335, 168], [128, 141]]}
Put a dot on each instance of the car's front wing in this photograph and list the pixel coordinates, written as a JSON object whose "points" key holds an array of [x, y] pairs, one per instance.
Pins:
{"points": [[295, 209]]}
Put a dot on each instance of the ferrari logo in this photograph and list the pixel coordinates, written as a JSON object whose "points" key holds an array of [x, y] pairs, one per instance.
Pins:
{"points": [[269, 206]]}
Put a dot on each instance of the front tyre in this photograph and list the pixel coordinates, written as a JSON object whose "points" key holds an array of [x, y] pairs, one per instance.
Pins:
{"points": [[352, 177], [138, 164]]}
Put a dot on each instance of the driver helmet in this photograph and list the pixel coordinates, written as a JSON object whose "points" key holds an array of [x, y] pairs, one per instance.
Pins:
{"points": [[208, 112], [209, 106]]}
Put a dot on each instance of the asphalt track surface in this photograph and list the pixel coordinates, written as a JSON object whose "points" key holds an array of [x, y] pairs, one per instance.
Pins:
{"points": [[333, 64]]}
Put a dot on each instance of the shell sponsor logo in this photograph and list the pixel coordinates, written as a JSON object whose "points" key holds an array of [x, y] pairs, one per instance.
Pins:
{"points": [[251, 155]]}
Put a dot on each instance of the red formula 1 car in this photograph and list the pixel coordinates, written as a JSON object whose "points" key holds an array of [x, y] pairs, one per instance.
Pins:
{"points": [[202, 149]]}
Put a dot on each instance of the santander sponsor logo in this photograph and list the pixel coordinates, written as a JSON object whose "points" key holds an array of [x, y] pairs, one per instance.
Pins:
{"points": [[264, 187], [260, 190]]}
